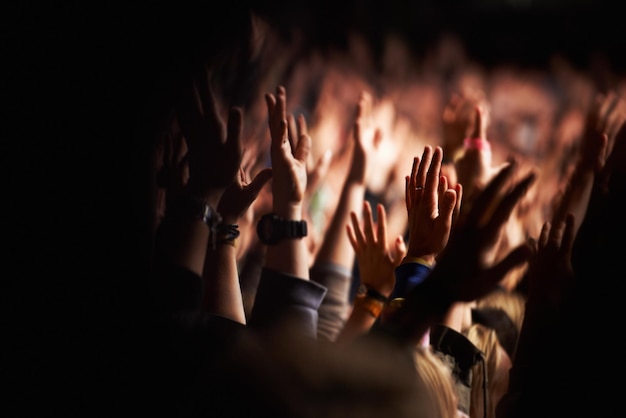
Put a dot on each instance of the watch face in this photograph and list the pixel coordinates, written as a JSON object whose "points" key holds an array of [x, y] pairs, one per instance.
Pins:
{"points": [[266, 229]]}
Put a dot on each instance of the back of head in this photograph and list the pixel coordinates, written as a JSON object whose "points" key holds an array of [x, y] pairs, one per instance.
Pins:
{"points": [[369, 378], [437, 379]]}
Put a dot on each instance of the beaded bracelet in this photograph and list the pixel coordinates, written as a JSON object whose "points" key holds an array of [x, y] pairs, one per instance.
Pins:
{"points": [[227, 234]]}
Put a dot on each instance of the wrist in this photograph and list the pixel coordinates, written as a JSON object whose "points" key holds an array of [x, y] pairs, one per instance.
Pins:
{"points": [[226, 234], [376, 292], [292, 212]]}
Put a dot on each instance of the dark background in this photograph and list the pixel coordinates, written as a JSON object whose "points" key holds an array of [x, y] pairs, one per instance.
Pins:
{"points": [[522, 32]]}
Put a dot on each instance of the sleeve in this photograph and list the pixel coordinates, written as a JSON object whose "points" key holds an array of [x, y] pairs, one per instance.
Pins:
{"points": [[289, 301], [408, 275], [335, 307]]}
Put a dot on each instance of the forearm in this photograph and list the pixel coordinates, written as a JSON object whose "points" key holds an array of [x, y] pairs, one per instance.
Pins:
{"points": [[222, 292], [456, 316], [336, 247]]}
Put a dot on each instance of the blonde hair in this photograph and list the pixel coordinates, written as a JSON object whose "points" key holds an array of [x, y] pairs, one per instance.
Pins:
{"points": [[497, 363], [437, 378]]}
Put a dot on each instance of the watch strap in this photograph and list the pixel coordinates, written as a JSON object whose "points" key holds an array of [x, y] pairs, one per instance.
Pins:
{"points": [[293, 229], [272, 229]]}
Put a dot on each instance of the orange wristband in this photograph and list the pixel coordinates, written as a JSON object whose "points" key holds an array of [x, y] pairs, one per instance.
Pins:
{"points": [[373, 306]]}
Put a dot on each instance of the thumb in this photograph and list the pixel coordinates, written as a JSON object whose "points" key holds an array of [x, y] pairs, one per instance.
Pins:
{"points": [[399, 250], [262, 177]]}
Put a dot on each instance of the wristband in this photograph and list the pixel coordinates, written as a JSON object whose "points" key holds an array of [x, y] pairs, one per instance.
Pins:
{"points": [[476, 143], [227, 234], [374, 294], [373, 306]]}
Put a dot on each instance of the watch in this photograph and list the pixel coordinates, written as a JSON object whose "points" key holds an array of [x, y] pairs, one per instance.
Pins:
{"points": [[196, 208], [272, 228]]}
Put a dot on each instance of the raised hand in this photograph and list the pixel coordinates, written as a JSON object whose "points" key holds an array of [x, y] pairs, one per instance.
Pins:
{"points": [[240, 194], [550, 270], [376, 264], [462, 266], [222, 288], [289, 180], [375, 259], [457, 124], [288, 162], [366, 140], [430, 206], [214, 152], [591, 159], [607, 113], [462, 274], [475, 167]]}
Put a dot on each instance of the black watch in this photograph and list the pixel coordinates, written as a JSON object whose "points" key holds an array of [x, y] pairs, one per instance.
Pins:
{"points": [[272, 228]]}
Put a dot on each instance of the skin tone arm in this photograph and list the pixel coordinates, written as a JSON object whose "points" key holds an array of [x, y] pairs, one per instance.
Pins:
{"points": [[432, 210], [222, 291], [430, 206], [289, 256], [336, 246]]}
